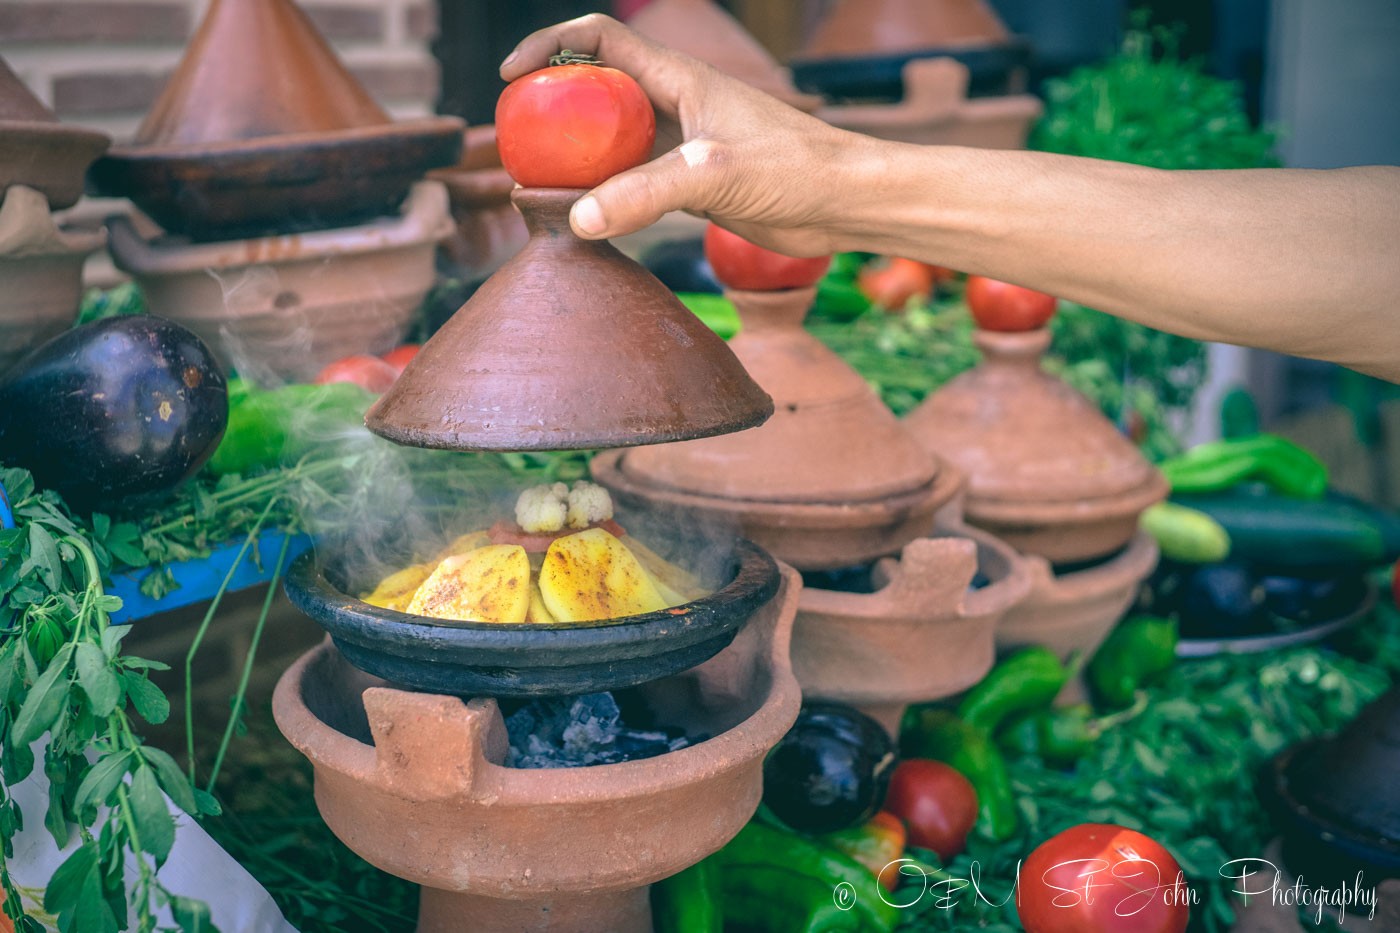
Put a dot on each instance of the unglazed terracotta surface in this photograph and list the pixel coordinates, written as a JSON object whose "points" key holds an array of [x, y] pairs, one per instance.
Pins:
{"points": [[281, 308], [39, 152], [414, 784], [702, 30], [936, 111], [831, 480], [1047, 472], [871, 27], [262, 129], [41, 268], [489, 228], [569, 345], [922, 636]]}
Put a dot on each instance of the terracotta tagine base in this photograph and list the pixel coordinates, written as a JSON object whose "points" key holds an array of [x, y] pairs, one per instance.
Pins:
{"points": [[1075, 611], [923, 635], [39, 152], [280, 308], [1047, 472], [414, 784], [41, 267], [935, 110], [569, 345], [489, 228]]}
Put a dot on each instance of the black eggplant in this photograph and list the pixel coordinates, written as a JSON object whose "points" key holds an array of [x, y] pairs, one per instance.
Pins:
{"points": [[681, 266], [117, 407], [830, 771]]}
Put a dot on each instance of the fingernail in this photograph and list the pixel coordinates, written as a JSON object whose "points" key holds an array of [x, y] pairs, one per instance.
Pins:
{"points": [[588, 216], [510, 58]]}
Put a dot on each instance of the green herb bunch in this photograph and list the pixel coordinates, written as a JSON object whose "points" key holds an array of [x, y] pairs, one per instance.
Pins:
{"points": [[62, 673]]}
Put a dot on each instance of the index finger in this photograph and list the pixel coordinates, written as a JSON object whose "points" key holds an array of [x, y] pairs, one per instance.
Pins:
{"points": [[658, 70]]}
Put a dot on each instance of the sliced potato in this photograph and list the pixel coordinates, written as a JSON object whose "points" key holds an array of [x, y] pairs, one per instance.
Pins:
{"points": [[396, 590], [489, 584], [685, 585], [538, 611], [464, 543], [591, 576]]}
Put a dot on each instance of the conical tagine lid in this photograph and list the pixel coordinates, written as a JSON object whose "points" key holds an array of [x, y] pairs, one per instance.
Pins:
{"points": [[1022, 435], [860, 28], [256, 68], [702, 30], [830, 440], [569, 345], [39, 152]]}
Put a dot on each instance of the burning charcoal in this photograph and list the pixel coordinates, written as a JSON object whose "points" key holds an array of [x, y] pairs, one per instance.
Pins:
{"points": [[569, 732]]}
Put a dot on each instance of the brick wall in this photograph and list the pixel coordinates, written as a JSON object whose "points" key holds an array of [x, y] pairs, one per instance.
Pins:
{"points": [[101, 63]]}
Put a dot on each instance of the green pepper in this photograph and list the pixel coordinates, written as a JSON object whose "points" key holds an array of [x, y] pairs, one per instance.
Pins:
{"points": [[715, 311], [1028, 679], [1138, 650], [938, 734], [268, 429], [779, 882], [839, 300], [1062, 735], [689, 901], [1218, 465]]}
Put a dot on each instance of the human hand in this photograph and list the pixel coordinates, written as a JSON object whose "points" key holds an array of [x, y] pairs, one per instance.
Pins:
{"points": [[734, 154]]}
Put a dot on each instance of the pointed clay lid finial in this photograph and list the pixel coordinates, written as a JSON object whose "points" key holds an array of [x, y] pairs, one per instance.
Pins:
{"points": [[860, 28], [830, 440], [18, 103], [569, 345], [256, 68], [1022, 435], [702, 30]]}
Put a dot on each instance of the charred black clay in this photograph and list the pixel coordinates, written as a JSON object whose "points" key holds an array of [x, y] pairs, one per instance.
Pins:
{"points": [[120, 406], [830, 771]]}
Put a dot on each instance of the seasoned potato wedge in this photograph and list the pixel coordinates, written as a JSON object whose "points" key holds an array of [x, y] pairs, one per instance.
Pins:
{"points": [[489, 584], [464, 543], [396, 590], [591, 575]]}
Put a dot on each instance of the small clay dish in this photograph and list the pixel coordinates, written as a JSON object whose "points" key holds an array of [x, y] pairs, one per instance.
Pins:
{"points": [[473, 659], [279, 184]]}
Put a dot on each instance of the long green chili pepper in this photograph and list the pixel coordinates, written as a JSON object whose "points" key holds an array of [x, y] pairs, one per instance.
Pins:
{"points": [[1028, 679], [689, 902], [1138, 650]]}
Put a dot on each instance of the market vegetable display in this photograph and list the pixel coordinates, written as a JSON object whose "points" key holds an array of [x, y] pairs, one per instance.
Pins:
{"points": [[573, 124], [120, 406], [830, 771], [737, 263]]}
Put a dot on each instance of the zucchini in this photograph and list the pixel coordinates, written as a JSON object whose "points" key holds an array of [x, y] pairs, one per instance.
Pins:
{"points": [[1286, 532]]}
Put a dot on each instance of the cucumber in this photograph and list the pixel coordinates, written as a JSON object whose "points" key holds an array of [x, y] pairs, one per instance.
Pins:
{"points": [[1186, 534], [1286, 532]]}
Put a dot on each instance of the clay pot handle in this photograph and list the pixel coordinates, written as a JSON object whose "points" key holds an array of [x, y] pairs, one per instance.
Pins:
{"points": [[930, 571], [431, 747]]}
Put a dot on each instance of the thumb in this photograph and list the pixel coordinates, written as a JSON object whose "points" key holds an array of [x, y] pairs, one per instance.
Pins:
{"points": [[682, 179]]}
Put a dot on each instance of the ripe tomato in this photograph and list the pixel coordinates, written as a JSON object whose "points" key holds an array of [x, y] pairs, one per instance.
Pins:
{"points": [[890, 285], [1101, 878], [573, 125], [400, 356], [936, 803], [368, 371], [1005, 307], [737, 263]]}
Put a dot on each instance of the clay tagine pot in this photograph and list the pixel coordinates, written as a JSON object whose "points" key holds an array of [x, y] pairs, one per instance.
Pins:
{"points": [[261, 129], [414, 784], [1338, 800], [41, 267], [704, 31], [569, 345], [282, 307], [489, 228], [831, 480], [39, 152], [860, 50], [1047, 472]]}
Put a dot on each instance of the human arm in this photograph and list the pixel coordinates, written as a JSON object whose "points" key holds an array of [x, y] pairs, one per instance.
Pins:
{"points": [[1304, 262]]}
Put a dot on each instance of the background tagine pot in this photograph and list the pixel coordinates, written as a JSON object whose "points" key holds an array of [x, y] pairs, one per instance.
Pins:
{"points": [[1049, 474], [414, 783]]}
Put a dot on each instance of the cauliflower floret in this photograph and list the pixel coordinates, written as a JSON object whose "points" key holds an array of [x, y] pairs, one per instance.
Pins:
{"points": [[588, 503], [542, 508]]}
